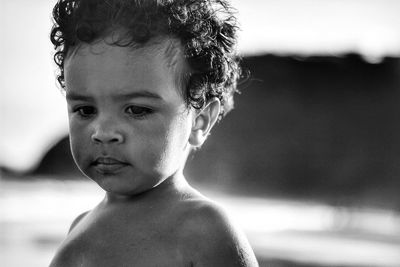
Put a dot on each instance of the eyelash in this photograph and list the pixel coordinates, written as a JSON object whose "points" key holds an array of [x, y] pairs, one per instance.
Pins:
{"points": [[143, 111], [81, 111], [88, 111]]}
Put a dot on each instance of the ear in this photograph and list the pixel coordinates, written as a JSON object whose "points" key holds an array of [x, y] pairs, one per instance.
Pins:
{"points": [[204, 121]]}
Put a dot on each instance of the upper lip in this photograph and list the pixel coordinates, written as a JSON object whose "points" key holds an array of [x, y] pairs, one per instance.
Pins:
{"points": [[108, 161]]}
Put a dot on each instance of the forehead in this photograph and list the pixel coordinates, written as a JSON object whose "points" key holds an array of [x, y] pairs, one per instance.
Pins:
{"points": [[158, 65]]}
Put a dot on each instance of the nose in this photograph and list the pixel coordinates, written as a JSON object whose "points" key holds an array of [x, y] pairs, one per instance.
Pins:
{"points": [[106, 133]]}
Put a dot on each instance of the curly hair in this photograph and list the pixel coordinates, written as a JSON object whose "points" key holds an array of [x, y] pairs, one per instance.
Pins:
{"points": [[206, 29]]}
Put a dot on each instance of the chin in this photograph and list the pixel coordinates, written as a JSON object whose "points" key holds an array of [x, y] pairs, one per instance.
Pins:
{"points": [[123, 186]]}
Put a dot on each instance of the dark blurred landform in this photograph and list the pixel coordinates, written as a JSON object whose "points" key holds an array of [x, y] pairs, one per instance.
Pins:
{"points": [[322, 128]]}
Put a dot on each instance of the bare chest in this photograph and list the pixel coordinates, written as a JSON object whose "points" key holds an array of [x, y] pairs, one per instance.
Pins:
{"points": [[106, 245]]}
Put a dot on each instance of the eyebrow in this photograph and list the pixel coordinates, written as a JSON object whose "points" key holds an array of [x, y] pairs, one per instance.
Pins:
{"points": [[139, 94], [75, 96]]}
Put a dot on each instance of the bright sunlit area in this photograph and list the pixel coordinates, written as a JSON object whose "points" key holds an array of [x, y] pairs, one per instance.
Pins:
{"points": [[307, 164]]}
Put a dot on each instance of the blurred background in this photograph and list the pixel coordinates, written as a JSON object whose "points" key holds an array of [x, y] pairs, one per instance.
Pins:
{"points": [[308, 163]]}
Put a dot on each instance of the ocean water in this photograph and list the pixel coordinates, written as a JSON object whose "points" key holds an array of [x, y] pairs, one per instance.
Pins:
{"points": [[35, 216]]}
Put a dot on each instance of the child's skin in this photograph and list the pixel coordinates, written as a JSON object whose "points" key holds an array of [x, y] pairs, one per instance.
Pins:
{"points": [[131, 132]]}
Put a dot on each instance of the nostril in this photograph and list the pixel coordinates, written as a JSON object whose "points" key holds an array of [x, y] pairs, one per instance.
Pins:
{"points": [[96, 139], [114, 140], [107, 138]]}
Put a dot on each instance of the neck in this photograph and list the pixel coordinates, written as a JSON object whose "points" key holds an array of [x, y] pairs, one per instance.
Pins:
{"points": [[166, 188]]}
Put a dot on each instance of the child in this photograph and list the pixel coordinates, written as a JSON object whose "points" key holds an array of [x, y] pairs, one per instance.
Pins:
{"points": [[145, 81]]}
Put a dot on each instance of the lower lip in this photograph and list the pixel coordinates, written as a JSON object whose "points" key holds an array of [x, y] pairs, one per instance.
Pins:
{"points": [[109, 168]]}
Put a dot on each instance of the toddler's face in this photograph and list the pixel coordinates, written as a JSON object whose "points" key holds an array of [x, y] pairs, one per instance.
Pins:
{"points": [[129, 124]]}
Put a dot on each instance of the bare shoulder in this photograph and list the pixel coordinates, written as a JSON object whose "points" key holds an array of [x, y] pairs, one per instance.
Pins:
{"points": [[77, 220], [211, 238]]}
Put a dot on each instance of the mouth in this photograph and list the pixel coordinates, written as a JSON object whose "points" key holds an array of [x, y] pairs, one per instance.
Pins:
{"points": [[108, 165]]}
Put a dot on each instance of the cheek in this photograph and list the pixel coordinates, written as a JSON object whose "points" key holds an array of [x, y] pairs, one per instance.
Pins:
{"points": [[169, 150], [78, 142]]}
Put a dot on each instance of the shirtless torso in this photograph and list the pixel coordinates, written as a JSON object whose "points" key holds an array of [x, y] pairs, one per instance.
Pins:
{"points": [[184, 229]]}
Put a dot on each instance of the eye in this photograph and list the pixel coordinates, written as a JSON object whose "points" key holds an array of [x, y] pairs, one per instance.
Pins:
{"points": [[85, 111], [138, 112]]}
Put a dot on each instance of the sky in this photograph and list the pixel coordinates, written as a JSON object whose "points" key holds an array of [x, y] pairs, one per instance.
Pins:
{"points": [[32, 109], [309, 27]]}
